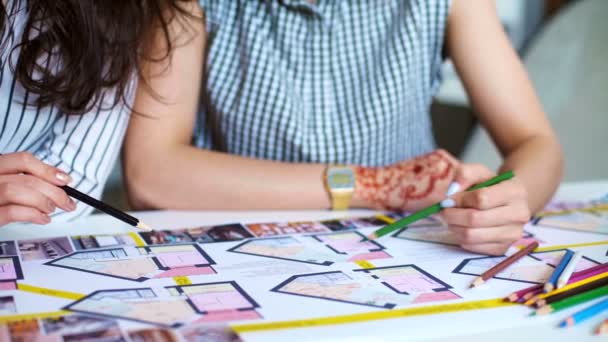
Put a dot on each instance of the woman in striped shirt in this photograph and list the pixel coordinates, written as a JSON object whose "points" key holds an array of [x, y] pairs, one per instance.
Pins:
{"points": [[67, 76], [291, 86]]}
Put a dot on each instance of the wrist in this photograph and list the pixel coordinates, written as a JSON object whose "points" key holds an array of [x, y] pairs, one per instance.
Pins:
{"points": [[363, 196]]}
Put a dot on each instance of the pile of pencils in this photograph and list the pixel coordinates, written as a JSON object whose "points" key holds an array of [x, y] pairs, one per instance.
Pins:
{"points": [[566, 289]]}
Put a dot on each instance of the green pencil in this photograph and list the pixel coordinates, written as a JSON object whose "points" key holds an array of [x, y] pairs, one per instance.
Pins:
{"points": [[572, 301], [434, 209]]}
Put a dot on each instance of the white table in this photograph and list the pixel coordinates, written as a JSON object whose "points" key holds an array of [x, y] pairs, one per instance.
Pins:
{"points": [[462, 326]]}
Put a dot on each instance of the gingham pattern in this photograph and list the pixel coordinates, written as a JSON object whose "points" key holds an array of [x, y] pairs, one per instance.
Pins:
{"points": [[336, 82]]}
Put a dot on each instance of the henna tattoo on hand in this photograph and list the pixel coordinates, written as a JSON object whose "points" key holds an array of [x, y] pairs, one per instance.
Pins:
{"points": [[408, 185]]}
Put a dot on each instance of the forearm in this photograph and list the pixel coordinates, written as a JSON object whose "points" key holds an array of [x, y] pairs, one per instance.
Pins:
{"points": [[538, 163], [185, 177]]}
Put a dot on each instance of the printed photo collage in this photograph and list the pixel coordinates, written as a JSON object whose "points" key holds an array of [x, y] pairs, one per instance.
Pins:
{"points": [[237, 231], [80, 328]]}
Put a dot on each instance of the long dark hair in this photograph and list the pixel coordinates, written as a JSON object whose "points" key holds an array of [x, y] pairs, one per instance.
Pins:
{"points": [[94, 46]]}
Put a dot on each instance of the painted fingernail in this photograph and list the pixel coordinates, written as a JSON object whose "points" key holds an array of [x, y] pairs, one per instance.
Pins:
{"points": [[447, 203], [452, 189], [64, 177]]}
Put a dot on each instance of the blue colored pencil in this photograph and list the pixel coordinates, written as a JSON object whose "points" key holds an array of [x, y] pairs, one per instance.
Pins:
{"points": [[552, 282], [585, 314]]}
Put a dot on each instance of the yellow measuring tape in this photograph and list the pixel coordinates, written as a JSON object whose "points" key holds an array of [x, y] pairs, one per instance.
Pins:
{"points": [[46, 292], [138, 240], [574, 245], [385, 218], [593, 209], [371, 316], [37, 315], [49, 292], [365, 264], [181, 280]]}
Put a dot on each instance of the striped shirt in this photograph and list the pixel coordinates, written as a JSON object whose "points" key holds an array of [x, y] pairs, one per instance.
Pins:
{"points": [[85, 146], [326, 81]]}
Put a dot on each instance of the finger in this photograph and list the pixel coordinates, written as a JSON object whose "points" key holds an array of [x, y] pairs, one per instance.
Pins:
{"points": [[468, 175], [54, 193], [490, 197], [20, 194], [24, 162], [488, 248], [447, 156], [17, 213], [515, 213], [475, 236]]}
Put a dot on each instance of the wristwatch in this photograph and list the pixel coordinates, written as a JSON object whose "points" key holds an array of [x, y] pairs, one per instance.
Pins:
{"points": [[340, 184]]}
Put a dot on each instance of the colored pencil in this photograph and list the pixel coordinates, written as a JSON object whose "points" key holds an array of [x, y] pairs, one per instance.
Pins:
{"points": [[583, 288], [433, 209], [517, 295], [559, 268], [567, 287], [504, 264], [602, 328], [573, 301], [106, 208], [585, 314], [569, 270], [531, 291]]}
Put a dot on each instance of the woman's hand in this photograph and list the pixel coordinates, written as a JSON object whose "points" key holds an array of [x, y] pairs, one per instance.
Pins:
{"points": [[406, 186], [488, 220], [29, 189]]}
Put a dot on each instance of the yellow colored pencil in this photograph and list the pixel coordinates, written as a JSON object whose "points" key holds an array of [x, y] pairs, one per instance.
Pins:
{"points": [[566, 288]]}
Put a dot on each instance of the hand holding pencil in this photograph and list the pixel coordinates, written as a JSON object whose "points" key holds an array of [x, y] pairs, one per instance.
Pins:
{"points": [[487, 220], [31, 190]]}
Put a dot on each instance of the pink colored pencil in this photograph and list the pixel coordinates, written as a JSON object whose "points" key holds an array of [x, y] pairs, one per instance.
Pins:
{"points": [[590, 272], [531, 291]]}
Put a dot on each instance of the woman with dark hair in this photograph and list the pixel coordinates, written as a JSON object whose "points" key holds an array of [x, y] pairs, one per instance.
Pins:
{"points": [[68, 72]]}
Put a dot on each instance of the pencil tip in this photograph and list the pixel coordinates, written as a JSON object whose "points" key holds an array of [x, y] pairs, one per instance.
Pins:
{"points": [[478, 281], [144, 226]]}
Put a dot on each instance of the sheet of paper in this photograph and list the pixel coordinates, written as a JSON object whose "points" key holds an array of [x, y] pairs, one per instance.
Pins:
{"points": [[191, 283]]}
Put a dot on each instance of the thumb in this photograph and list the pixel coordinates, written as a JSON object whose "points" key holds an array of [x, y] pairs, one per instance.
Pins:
{"points": [[466, 176]]}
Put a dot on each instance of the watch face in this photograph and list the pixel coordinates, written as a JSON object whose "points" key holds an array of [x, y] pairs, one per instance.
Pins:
{"points": [[341, 178]]}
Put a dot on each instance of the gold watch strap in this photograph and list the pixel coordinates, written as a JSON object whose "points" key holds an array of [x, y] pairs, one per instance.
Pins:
{"points": [[340, 200]]}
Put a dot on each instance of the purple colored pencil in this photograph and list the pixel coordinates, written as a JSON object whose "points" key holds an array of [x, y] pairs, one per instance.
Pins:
{"points": [[590, 272]]}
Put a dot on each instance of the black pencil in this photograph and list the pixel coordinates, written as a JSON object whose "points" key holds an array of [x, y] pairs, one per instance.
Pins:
{"points": [[104, 207]]}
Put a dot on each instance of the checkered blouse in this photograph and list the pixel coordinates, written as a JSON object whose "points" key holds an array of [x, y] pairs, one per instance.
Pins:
{"points": [[336, 81]]}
